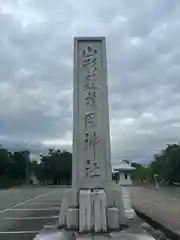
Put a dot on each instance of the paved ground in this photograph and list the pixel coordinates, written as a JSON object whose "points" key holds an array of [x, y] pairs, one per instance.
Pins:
{"points": [[162, 205], [25, 211], [172, 191]]}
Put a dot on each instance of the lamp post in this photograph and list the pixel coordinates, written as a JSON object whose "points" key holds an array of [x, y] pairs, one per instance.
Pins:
{"points": [[156, 181]]}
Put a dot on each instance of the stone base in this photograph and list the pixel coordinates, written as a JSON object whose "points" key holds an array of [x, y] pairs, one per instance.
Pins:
{"points": [[129, 211], [113, 218], [56, 234], [93, 210]]}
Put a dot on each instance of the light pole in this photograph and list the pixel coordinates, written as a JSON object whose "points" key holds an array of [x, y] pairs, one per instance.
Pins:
{"points": [[156, 181]]}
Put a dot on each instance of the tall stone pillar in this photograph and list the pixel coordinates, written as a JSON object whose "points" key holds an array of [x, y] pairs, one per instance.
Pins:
{"points": [[93, 203], [91, 138]]}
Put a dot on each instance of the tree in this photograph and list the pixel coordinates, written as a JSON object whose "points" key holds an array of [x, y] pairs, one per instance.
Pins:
{"points": [[5, 167], [167, 164], [56, 166], [20, 165], [5, 161], [141, 172], [13, 166]]}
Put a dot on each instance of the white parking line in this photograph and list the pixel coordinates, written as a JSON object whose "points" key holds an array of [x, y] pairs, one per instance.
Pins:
{"points": [[19, 232], [27, 201], [29, 218], [34, 209], [44, 203]]}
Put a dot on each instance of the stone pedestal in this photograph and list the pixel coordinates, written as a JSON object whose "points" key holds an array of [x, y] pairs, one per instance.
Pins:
{"points": [[128, 210], [97, 210], [85, 211]]}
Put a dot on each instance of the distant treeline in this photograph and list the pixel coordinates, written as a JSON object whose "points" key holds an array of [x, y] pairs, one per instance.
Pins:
{"points": [[165, 167], [55, 167]]}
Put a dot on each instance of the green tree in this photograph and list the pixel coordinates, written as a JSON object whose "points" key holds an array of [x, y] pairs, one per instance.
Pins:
{"points": [[5, 167], [20, 165], [5, 161], [141, 173], [13, 166], [167, 164], [56, 166]]}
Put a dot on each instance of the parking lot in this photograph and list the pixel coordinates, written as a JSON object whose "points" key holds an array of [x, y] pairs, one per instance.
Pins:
{"points": [[24, 212]]}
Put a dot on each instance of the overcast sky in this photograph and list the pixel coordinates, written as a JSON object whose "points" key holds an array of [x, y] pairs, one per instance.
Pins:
{"points": [[36, 67]]}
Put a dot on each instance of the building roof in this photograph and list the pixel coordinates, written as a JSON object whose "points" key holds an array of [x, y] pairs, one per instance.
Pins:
{"points": [[124, 165]]}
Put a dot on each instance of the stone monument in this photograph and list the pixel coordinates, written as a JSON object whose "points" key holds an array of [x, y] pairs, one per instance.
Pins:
{"points": [[94, 203], [93, 208]]}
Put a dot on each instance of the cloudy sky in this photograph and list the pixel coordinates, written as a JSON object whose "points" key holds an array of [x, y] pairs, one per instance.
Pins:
{"points": [[36, 66]]}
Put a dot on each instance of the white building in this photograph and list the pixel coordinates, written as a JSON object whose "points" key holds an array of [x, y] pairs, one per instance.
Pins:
{"points": [[33, 179], [124, 173]]}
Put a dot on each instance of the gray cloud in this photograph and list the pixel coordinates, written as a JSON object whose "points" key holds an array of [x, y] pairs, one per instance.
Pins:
{"points": [[36, 74]]}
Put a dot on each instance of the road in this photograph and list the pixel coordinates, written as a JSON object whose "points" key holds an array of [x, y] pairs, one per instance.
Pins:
{"points": [[25, 211], [162, 205], [171, 191]]}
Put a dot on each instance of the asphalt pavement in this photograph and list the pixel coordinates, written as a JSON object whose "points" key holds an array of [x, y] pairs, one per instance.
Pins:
{"points": [[25, 211], [162, 205], [170, 190]]}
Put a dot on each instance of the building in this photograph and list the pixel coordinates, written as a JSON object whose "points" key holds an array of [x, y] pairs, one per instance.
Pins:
{"points": [[124, 172], [33, 179]]}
